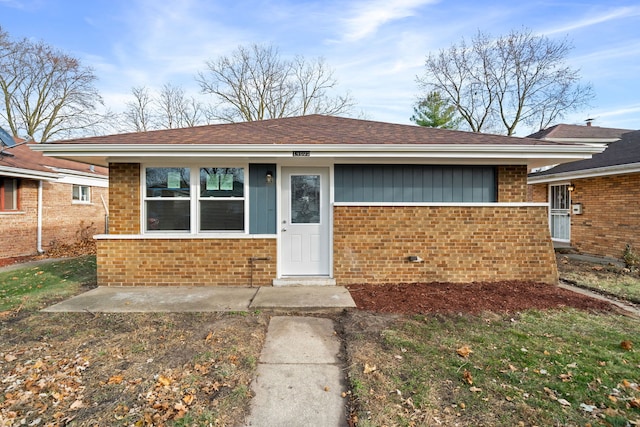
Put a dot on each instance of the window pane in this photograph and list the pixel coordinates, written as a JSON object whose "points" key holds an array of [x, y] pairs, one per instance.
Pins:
{"points": [[221, 182], [81, 193], [167, 182], [222, 215], [305, 199], [168, 215], [10, 194]]}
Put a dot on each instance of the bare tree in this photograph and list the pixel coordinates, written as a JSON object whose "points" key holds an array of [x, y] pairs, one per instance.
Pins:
{"points": [[169, 109], [139, 111], [177, 110], [500, 83], [46, 93], [255, 83]]}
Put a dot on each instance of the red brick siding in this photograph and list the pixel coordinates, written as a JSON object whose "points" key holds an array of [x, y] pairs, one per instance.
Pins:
{"points": [[62, 221], [538, 193], [124, 198], [19, 230], [458, 244], [611, 215], [66, 222], [512, 183], [185, 262]]}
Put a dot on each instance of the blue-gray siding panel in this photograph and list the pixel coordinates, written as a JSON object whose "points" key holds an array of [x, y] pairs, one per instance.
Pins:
{"points": [[262, 200], [415, 183]]}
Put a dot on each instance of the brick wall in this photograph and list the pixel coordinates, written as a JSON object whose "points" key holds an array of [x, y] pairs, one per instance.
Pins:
{"points": [[66, 222], [611, 215], [185, 262], [124, 198], [512, 183], [458, 244], [538, 193], [19, 230], [62, 220]]}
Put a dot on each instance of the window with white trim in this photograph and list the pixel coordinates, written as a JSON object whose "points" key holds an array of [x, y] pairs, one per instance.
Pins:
{"points": [[207, 199], [8, 194], [81, 194]]}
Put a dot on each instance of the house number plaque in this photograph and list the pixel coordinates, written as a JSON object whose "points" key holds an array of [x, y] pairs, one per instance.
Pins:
{"points": [[301, 153]]}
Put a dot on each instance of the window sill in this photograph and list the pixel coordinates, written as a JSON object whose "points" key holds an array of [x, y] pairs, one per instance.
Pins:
{"points": [[12, 212], [183, 236]]}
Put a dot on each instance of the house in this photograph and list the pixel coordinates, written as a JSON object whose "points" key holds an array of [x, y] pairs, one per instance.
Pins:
{"points": [[320, 200], [47, 202], [593, 202]]}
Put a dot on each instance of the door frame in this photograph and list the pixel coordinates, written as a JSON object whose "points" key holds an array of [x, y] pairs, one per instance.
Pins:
{"points": [[550, 194], [328, 188]]}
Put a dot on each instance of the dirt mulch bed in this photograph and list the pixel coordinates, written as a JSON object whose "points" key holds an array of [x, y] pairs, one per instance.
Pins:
{"points": [[477, 297]]}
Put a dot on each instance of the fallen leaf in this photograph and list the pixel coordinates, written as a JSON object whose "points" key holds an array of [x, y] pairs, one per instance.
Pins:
{"points": [[587, 408], [467, 376], [164, 380], [76, 405], [566, 377], [474, 389], [635, 403], [115, 379], [209, 336], [564, 402], [327, 388], [626, 345], [368, 368], [464, 351], [188, 399], [10, 357]]}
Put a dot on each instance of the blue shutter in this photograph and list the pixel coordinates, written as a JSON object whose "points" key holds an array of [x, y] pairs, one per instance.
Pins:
{"points": [[262, 199]]}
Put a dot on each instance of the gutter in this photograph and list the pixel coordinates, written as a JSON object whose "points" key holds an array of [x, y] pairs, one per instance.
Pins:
{"points": [[39, 228], [586, 173]]}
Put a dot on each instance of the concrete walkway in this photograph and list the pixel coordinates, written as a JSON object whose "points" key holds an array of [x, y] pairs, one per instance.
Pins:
{"points": [[207, 298], [299, 376]]}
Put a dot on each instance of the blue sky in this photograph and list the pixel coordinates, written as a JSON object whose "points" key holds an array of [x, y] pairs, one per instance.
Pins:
{"points": [[376, 47]]}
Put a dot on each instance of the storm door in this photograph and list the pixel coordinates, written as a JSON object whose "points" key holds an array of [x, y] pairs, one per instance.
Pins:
{"points": [[560, 217], [304, 249]]}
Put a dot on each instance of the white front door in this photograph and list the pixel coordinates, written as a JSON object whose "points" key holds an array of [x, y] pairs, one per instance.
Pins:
{"points": [[304, 248], [560, 215]]}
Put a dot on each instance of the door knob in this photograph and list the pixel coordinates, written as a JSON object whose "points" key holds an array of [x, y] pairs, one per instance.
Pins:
{"points": [[284, 228]]}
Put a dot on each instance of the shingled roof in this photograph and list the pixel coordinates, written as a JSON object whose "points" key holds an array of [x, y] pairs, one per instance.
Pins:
{"points": [[577, 132], [622, 152], [303, 130], [22, 158]]}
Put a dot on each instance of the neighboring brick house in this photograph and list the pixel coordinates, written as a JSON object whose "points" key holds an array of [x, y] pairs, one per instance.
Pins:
{"points": [[45, 202], [320, 200], [594, 202]]}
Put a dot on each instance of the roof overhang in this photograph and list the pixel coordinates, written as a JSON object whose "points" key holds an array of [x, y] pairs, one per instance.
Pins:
{"points": [[533, 155], [586, 173], [28, 174]]}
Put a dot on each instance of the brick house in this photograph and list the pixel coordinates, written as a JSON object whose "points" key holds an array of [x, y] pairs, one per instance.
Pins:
{"points": [[594, 202], [46, 201], [320, 200]]}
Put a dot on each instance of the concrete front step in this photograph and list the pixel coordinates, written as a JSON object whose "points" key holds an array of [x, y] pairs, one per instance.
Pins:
{"points": [[305, 281]]}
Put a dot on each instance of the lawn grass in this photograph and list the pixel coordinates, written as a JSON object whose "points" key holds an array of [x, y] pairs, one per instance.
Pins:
{"points": [[611, 280], [27, 288], [544, 368]]}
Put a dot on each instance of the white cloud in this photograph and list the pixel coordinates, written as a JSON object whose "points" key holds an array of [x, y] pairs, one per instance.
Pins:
{"points": [[367, 17], [595, 18]]}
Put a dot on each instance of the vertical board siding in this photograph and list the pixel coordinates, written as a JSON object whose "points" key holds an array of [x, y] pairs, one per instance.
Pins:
{"points": [[415, 183], [262, 199]]}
